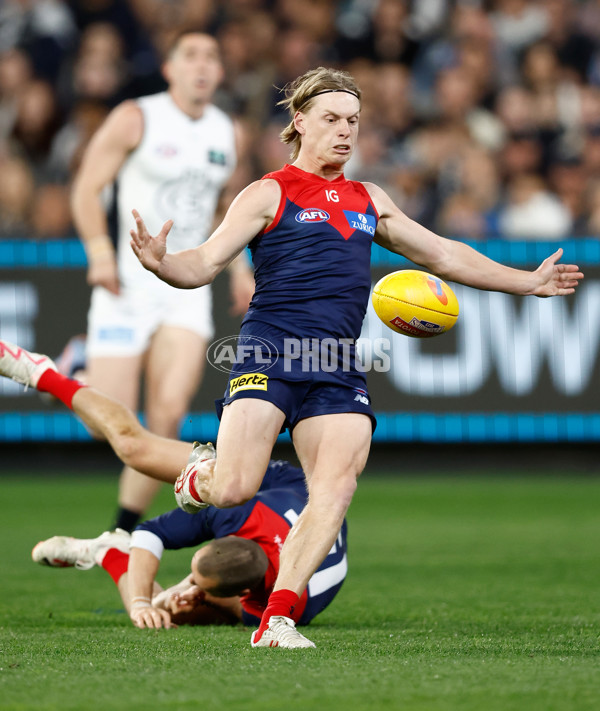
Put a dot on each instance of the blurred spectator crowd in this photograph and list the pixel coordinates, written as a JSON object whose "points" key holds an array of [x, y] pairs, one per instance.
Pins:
{"points": [[481, 119]]}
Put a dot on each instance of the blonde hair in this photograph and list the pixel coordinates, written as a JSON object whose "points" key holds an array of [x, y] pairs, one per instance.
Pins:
{"points": [[299, 95]]}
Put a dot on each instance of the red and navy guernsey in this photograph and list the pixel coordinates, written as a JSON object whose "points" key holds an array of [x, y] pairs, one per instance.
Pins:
{"points": [[265, 519], [312, 263]]}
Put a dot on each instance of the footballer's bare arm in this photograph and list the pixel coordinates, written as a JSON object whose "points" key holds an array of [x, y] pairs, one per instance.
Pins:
{"points": [[142, 569], [108, 149], [249, 214], [458, 262]]}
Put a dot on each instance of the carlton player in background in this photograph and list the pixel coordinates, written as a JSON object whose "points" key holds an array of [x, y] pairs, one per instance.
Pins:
{"points": [[310, 232], [174, 153]]}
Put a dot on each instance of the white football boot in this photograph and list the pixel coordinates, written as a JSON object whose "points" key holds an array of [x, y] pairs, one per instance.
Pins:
{"points": [[186, 494], [81, 553], [281, 632], [21, 365]]}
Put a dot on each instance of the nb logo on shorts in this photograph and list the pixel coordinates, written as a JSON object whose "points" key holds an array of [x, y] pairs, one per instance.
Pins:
{"points": [[253, 381], [361, 396]]}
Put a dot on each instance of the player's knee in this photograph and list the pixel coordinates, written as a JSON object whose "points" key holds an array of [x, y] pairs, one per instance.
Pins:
{"points": [[165, 413], [345, 491], [334, 493], [128, 445]]}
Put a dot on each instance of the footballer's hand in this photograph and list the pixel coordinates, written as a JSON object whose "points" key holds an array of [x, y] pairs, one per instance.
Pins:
{"points": [[103, 271], [149, 250], [556, 279], [149, 617], [175, 601], [186, 600]]}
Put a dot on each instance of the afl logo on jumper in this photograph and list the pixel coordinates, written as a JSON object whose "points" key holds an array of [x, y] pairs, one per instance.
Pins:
{"points": [[312, 214]]}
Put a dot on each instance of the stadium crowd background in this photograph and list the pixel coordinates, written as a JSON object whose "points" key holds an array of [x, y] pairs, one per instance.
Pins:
{"points": [[481, 119]]}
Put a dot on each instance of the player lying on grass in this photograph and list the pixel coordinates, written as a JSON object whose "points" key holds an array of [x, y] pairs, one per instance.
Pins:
{"points": [[264, 520], [231, 577]]}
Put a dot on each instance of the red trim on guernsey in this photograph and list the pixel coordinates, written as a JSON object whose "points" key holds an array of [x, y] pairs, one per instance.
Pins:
{"points": [[282, 201], [292, 173], [269, 530], [371, 201]]}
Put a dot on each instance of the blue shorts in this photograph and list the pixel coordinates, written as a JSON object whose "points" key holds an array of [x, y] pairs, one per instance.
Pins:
{"points": [[298, 400]]}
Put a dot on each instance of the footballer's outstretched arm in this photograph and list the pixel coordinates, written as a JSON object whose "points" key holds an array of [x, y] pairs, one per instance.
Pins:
{"points": [[458, 262], [141, 574], [252, 210]]}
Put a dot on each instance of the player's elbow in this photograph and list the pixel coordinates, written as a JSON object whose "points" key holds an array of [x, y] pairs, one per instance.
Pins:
{"points": [[192, 269], [211, 270], [83, 194]]}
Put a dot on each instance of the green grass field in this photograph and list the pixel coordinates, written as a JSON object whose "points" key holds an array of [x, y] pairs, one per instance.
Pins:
{"points": [[464, 593]]}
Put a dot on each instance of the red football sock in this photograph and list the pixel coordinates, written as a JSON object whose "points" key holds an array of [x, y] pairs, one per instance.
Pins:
{"points": [[59, 385], [115, 563], [281, 602]]}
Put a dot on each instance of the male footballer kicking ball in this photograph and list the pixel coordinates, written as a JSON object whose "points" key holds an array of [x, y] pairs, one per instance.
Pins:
{"points": [[310, 233]]}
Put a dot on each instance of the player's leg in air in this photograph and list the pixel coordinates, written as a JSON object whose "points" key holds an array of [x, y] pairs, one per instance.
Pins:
{"points": [[247, 434], [155, 456]]}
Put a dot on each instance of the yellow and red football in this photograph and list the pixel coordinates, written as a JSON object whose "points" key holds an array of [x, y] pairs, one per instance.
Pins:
{"points": [[415, 303]]}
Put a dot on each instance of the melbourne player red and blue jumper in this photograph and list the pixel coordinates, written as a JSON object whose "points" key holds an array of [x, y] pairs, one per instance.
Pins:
{"points": [[313, 279], [265, 519]]}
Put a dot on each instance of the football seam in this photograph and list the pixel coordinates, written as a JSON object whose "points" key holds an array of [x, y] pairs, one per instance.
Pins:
{"points": [[419, 306]]}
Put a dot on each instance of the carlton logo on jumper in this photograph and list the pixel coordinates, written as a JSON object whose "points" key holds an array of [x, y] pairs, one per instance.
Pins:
{"points": [[252, 381], [312, 214], [360, 221], [166, 150]]}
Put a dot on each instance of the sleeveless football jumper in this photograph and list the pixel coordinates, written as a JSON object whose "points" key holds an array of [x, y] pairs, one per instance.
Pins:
{"points": [[177, 171], [313, 279]]}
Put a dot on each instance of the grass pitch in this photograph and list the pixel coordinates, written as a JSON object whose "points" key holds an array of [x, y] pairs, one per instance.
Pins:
{"points": [[463, 593]]}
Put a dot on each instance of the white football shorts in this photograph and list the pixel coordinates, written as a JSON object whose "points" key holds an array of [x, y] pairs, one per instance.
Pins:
{"points": [[123, 325]]}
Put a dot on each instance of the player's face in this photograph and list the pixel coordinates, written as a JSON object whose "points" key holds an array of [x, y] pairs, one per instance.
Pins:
{"points": [[329, 129], [194, 69], [209, 585]]}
